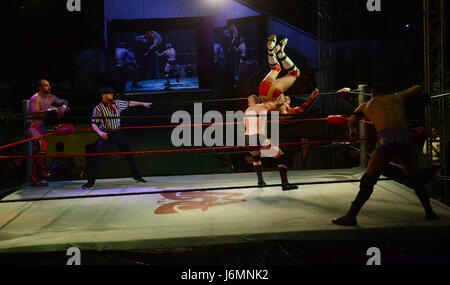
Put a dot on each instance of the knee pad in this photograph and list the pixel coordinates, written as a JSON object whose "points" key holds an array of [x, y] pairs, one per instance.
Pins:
{"points": [[295, 73], [282, 159], [276, 67]]}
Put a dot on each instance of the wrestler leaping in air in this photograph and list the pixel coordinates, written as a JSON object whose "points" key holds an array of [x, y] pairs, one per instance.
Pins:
{"points": [[272, 88]]}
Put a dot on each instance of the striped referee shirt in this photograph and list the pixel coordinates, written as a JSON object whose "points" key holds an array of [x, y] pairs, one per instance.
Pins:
{"points": [[103, 115]]}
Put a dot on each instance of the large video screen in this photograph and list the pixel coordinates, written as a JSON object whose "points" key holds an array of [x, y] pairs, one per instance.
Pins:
{"points": [[156, 60]]}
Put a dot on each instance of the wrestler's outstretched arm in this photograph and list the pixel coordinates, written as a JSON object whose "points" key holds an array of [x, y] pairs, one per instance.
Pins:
{"points": [[302, 108], [353, 121], [410, 92]]}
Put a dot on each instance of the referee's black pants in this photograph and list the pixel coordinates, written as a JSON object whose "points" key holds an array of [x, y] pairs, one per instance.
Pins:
{"points": [[118, 139]]}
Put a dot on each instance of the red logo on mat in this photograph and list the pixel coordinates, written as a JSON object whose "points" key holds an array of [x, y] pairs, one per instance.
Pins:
{"points": [[195, 200]]}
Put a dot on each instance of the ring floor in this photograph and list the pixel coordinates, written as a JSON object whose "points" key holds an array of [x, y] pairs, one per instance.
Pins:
{"points": [[207, 218]]}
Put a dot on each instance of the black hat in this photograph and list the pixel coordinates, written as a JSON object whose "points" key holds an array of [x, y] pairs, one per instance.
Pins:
{"points": [[106, 90]]}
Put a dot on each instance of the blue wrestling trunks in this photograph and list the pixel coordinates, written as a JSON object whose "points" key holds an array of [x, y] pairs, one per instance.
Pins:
{"points": [[398, 141]]}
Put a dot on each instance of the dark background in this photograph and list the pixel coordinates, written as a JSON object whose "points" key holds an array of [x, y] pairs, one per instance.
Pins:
{"points": [[42, 39]]}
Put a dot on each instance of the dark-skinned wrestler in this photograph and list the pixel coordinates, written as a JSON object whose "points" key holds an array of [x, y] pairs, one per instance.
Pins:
{"points": [[387, 112]]}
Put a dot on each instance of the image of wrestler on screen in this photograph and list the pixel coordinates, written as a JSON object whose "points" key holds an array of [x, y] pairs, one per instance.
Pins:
{"points": [[170, 69], [152, 40], [126, 64], [40, 106]]}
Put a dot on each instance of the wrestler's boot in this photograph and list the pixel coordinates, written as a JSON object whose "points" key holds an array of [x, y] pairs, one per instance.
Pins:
{"points": [[422, 194], [43, 147], [43, 167], [167, 79], [365, 191], [37, 168], [282, 160], [288, 64], [284, 181], [258, 170], [35, 177], [272, 58]]}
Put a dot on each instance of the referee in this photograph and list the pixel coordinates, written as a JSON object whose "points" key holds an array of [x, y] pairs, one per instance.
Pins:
{"points": [[108, 129]]}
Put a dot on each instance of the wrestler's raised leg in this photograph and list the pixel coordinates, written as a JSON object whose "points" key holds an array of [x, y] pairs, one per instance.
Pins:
{"points": [[275, 67], [285, 82], [374, 169]]}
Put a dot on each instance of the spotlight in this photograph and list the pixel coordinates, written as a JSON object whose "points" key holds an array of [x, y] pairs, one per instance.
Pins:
{"points": [[215, 2]]}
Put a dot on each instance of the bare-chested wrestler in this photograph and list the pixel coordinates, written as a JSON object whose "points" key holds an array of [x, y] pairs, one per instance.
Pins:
{"points": [[255, 134], [387, 112], [170, 68], [41, 104]]}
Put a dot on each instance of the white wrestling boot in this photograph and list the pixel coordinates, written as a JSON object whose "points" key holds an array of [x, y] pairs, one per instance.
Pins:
{"points": [[271, 53], [288, 64]]}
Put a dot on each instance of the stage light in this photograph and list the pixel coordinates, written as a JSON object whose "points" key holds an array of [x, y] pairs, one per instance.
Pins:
{"points": [[215, 2]]}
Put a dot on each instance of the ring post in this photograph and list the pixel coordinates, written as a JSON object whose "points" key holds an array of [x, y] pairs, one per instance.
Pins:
{"points": [[363, 128]]}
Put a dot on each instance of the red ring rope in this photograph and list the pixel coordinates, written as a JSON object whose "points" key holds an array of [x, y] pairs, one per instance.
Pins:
{"points": [[228, 123], [181, 150], [174, 126], [26, 140]]}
